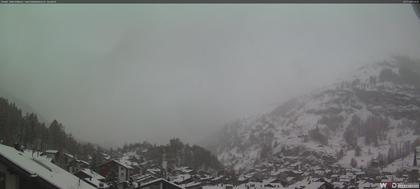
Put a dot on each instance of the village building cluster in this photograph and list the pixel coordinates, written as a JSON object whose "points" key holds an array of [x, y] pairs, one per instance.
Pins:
{"points": [[53, 169]]}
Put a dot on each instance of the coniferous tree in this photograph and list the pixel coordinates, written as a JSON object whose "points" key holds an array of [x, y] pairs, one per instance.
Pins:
{"points": [[353, 162], [357, 151], [29, 131]]}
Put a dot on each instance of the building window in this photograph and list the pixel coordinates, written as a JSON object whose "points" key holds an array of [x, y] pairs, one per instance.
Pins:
{"points": [[2, 180]]}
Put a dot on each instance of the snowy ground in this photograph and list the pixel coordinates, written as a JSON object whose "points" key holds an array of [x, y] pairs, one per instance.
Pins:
{"points": [[403, 163]]}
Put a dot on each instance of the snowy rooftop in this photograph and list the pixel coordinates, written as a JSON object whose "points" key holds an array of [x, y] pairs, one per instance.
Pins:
{"points": [[92, 174], [184, 169], [84, 162], [143, 178], [38, 166], [95, 178], [314, 185], [51, 151], [181, 178], [119, 163], [158, 180], [123, 164]]}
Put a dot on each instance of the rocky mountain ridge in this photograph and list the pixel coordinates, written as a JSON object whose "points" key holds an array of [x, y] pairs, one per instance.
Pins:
{"points": [[372, 115]]}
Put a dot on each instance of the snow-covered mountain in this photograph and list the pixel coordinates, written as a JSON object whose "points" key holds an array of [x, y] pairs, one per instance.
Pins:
{"points": [[372, 115]]}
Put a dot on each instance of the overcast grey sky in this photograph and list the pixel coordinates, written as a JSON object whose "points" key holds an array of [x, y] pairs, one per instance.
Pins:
{"points": [[122, 73]]}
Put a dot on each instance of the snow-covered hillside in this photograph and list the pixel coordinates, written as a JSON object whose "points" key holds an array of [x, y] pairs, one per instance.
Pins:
{"points": [[372, 115]]}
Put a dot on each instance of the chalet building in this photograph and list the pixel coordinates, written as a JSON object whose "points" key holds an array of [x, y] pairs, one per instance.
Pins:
{"points": [[93, 178], [183, 179], [76, 165], [216, 180], [83, 164], [136, 170], [115, 168], [145, 178], [413, 175], [65, 160], [23, 170], [49, 153], [159, 184], [368, 185], [59, 158], [417, 156], [274, 183], [193, 185], [156, 171], [320, 185]]}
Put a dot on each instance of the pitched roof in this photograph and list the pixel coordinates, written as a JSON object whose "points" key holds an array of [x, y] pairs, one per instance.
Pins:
{"points": [[94, 178], [81, 161], [51, 151], [314, 185], [39, 167], [119, 163], [143, 178], [160, 180], [92, 174]]}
